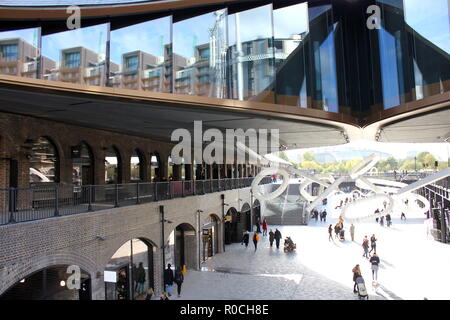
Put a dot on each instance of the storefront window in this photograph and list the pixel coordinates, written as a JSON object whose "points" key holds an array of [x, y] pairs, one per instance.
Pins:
{"points": [[44, 161], [132, 264]]}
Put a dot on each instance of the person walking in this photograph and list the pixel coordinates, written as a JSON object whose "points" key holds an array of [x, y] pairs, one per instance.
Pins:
{"points": [[168, 279], [258, 226], [330, 232], [246, 238], [375, 261], [356, 273], [388, 220], [140, 279], [382, 221], [352, 231], [264, 226], [255, 239], [179, 278], [373, 244], [277, 238], [271, 237], [337, 229], [324, 213], [403, 216], [365, 246]]}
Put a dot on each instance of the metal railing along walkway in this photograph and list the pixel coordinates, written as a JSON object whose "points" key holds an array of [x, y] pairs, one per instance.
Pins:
{"points": [[46, 201]]}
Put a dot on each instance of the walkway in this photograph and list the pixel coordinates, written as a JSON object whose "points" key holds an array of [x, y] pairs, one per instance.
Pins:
{"points": [[412, 266]]}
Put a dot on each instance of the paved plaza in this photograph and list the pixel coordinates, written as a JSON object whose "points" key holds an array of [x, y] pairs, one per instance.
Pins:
{"points": [[413, 266]]}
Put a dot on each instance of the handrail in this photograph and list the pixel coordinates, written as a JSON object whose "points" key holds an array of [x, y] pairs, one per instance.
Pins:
{"points": [[46, 201]]}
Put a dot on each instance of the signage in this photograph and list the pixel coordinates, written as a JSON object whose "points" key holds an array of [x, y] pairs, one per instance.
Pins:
{"points": [[110, 276]]}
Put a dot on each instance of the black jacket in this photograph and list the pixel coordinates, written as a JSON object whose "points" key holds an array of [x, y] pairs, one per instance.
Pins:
{"points": [[278, 235], [168, 276], [179, 278]]}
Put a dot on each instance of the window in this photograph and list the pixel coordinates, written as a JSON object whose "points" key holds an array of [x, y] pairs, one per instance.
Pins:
{"points": [[131, 63], [204, 53], [72, 60], [9, 52]]}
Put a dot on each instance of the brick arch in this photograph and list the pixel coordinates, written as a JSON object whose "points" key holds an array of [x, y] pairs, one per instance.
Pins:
{"points": [[32, 266], [115, 245]]}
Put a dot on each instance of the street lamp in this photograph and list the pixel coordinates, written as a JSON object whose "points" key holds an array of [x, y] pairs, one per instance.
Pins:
{"points": [[163, 241]]}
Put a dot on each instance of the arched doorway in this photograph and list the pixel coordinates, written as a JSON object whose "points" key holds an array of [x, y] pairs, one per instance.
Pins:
{"points": [[51, 283], [130, 272], [181, 247], [83, 164], [210, 237], [44, 161], [113, 164], [245, 221], [232, 218]]}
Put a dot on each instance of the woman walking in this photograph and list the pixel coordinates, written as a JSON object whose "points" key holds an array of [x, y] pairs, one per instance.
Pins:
{"points": [[179, 278], [356, 273]]}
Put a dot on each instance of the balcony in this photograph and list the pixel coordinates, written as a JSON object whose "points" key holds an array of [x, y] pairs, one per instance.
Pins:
{"points": [[47, 201]]}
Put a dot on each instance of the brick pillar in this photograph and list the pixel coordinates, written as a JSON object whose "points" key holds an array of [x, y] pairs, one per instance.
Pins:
{"points": [[124, 167]]}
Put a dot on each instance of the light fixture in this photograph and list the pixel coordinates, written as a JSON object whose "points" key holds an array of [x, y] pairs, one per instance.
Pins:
{"points": [[62, 283], [22, 281]]}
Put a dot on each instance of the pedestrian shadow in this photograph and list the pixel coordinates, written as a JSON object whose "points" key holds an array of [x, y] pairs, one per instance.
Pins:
{"points": [[385, 292]]}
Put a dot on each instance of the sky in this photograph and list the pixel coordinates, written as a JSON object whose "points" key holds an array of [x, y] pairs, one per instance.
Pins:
{"points": [[441, 151]]}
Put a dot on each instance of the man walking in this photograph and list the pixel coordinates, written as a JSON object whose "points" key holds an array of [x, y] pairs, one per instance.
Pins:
{"points": [[277, 238], [352, 232], [365, 246], [373, 244], [168, 279], [255, 239], [271, 237], [375, 261]]}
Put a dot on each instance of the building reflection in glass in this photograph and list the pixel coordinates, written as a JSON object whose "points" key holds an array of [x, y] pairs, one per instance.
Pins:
{"points": [[290, 31], [19, 53], [251, 55], [80, 55], [143, 54], [199, 46]]}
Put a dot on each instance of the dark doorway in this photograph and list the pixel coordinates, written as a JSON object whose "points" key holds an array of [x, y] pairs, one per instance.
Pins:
{"points": [[50, 283]]}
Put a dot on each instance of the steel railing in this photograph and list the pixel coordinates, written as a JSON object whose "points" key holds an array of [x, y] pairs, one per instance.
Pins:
{"points": [[46, 201]]}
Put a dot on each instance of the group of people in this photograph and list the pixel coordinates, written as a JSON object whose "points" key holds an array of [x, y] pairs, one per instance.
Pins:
{"points": [[315, 215], [273, 236], [169, 278]]}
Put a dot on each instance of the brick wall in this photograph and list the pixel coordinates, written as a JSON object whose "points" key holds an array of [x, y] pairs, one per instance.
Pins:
{"points": [[29, 247]]}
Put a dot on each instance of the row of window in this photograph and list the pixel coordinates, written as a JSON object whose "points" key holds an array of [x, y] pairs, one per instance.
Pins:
{"points": [[44, 165], [301, 55]]}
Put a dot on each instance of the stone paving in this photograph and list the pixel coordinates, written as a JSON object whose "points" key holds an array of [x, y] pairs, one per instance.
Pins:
{"points": [[412, 266]]}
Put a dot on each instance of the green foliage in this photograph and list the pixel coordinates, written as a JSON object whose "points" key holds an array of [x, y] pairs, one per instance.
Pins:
{"points": [[384, 165]]}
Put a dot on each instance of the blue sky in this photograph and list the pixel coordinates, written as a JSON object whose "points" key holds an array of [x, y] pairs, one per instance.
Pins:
{"points": [[147, 37]]}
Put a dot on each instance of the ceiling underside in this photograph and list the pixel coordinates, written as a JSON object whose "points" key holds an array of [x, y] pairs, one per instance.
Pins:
{"points": [[156, 121], [423, 128]]}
